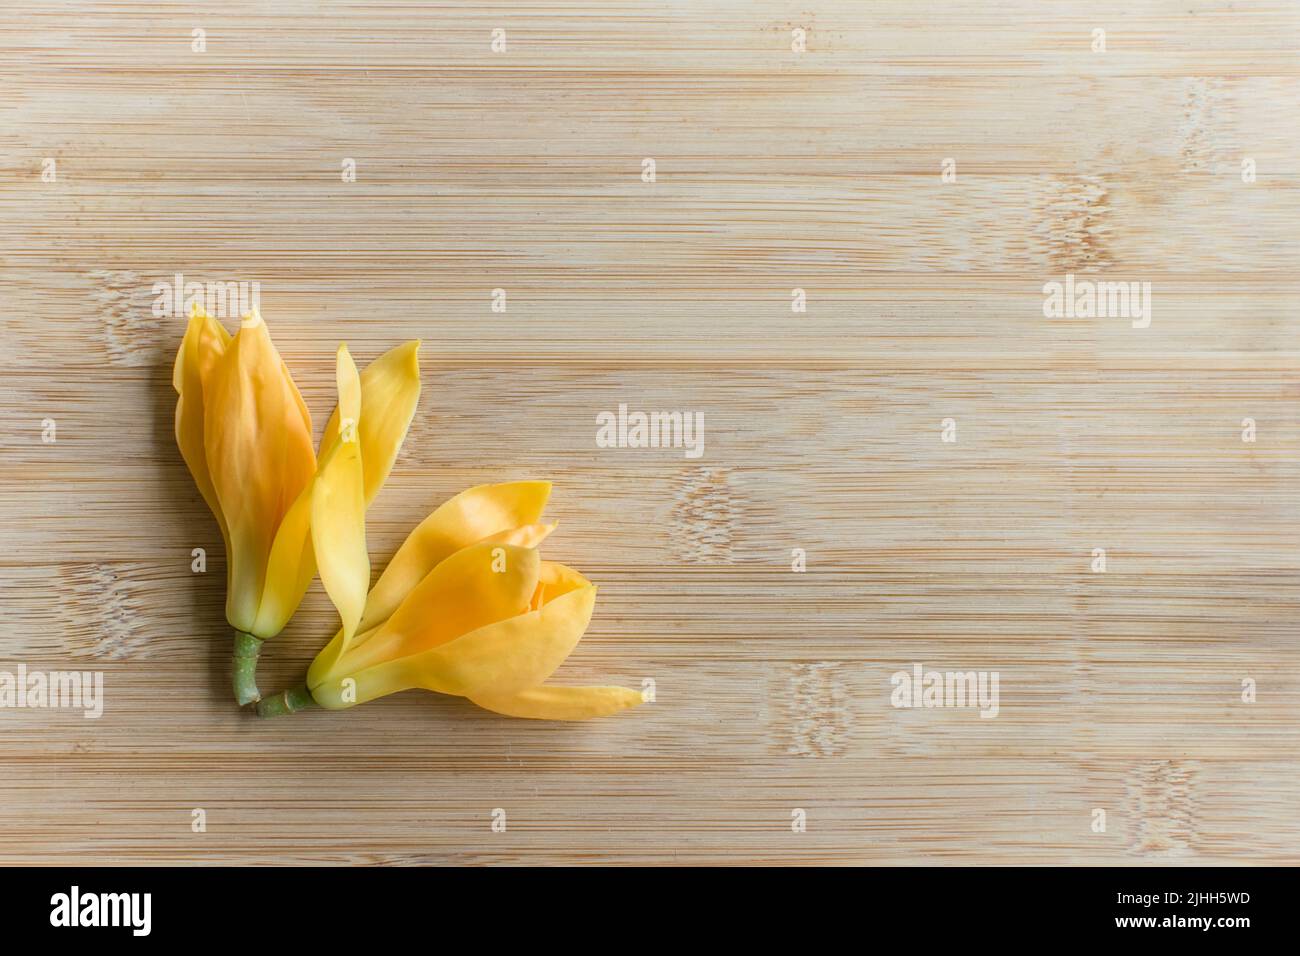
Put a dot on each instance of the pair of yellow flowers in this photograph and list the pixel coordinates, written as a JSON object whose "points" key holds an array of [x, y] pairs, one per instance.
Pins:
{"points": [[466, 606]]}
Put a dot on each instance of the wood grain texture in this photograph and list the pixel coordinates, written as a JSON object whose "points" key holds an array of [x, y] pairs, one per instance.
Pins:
{"points": [[775, 170]]}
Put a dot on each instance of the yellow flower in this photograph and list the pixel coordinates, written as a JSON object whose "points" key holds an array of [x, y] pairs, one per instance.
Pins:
{"points": [[467, 607], [245, 434]]}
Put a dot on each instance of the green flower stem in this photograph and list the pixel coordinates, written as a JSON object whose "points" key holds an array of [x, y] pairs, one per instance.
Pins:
{"points": [[244, 668], [286, 702]]}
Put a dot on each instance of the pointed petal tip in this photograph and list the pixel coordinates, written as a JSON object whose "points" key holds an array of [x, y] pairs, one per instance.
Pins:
{"points": [[402, 359], [545, 702]]}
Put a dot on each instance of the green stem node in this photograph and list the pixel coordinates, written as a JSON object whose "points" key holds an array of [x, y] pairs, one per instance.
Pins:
{"points": [[244, 668], [286, 702]]}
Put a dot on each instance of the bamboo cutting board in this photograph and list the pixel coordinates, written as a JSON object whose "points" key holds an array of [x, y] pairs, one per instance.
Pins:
{"points": [[1126, 691]]}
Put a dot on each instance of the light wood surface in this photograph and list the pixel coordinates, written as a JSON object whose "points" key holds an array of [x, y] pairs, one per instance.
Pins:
{"points": [[818, 170]]}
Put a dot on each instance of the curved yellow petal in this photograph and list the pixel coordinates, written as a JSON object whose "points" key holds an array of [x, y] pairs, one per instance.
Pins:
{"points": [[561, 703], [385, 405], [303, 410], [338, 509], [554, 580], [204, 343], [471, 516], [339, 693], [508, 656], [289, 569], [526, 536], [325, 664], [260, 457], [476, 586]]}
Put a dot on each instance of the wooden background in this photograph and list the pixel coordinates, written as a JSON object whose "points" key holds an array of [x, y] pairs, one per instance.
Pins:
{"points": [[775, 170]]}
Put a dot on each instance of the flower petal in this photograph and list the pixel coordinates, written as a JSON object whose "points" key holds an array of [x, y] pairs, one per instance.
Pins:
{"points": [[525, 536], [259, 452], [508, 656], [289, 569], [561, 703], [338, 509], [474, 587], [471, 516], [554, 580], [204, 343], [389, 390]]}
